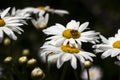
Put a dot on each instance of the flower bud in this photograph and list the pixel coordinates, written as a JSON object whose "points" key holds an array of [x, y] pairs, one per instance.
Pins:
{"points": [[31, 61], [87, 64], [25, 52], [23, 59], [8, 59], [37, 73], [7, 41], [42, 26]]}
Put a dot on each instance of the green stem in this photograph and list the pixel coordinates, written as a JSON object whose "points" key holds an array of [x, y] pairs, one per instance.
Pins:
{"points": [[119, 73], [75, 73], [64, 71], [88, 73], [47, 68]]}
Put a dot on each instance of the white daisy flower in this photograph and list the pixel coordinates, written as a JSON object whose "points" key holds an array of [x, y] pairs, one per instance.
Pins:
{"points": [[95, 73], [110, 46], [8, 24], [65, 53], [41, 21], [57, 11], [73, 34]]}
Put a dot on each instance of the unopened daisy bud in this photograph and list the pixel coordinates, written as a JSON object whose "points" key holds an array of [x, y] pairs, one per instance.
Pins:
{"points": [[31, 61], [87, 64], [25, 52], [37, 73], [23, 59], [41, 22], [8, 59], [7, 41], [43, 25]]}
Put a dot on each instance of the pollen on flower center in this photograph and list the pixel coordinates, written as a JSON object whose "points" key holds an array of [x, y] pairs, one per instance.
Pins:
{"points": [[2, 22], [41, 8], [71, 33], [116, 44], [67, 48]]}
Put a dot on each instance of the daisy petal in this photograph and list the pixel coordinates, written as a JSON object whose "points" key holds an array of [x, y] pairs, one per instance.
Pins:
{"points": [[9, 33], [73, 62], [104, 39], [81, 59], [72, 25], [5, 12], [106, 54], [59, 62], [83, 26], [115, 52], [1, 36], [53, 57], [66, 57]]}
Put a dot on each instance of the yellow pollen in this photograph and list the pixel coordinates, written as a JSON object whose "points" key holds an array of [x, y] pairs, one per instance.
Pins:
{"points": [[67, 48], [41, 8], [116, 44], [71, 33], [2, 22]]}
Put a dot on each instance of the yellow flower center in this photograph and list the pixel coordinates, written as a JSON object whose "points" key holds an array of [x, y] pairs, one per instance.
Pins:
{"points": [[67, 48], [2, 22], [116, 44], [41, 8], [71, 33]]}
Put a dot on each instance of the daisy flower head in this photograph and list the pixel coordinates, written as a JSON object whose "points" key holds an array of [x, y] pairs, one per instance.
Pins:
{"points": [[41, 21], [95, 73], [110, 46], [65, 53], [73, 34], [9, 25], [57, 11]]}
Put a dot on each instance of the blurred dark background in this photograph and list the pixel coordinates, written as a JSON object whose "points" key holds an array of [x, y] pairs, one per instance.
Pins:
{"points": [[103, 15]]}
